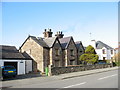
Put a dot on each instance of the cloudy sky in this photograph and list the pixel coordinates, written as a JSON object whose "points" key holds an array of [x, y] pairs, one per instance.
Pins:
{"points": [[77, 19]]}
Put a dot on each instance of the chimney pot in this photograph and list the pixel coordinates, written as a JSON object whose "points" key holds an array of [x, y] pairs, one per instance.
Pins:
{"points": [[45, 30], [50, 30]]}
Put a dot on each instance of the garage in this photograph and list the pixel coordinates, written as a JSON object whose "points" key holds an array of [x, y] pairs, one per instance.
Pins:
{"points": [[11, 56], [11, 64]]}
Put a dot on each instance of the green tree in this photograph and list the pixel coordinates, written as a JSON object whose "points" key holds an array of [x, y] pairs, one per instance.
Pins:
{"points": [[90, 56]]}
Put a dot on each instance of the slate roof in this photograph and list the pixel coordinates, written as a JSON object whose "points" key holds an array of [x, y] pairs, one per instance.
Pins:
{"points": [[26, 56], [100, 45], [78, 44], [40, 41], [10, 52], [65, 41], [50, 41]]}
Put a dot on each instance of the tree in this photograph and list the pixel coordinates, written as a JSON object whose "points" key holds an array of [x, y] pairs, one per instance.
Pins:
{"points": [[90, 56]]}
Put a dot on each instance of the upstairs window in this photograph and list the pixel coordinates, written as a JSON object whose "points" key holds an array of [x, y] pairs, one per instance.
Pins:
{"points": [[72, 52], [103, 51], [111, 51], [81, 51], [57, 52]]}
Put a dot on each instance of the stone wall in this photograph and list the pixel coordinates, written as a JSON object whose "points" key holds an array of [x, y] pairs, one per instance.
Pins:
{"points": [[36, 52], [69, 69]]}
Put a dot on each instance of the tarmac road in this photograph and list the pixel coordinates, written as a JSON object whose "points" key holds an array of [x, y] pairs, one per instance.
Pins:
{"points": [[108, 79]]}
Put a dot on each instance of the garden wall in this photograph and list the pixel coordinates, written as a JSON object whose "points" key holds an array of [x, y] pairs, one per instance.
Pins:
{"points": [[69, 69]]}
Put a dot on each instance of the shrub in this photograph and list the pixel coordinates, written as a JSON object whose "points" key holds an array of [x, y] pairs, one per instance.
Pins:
{"points": [[89, 56]]}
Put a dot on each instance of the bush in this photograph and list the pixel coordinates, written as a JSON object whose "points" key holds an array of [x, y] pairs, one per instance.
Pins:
{"points": [[90, 50], [90, 56]]}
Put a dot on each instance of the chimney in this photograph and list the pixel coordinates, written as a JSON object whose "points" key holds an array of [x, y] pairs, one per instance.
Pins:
{"points": [[59, 34], [47, 33]]}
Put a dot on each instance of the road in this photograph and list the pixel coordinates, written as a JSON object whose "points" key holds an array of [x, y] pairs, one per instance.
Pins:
{"points": [[107, 79]]}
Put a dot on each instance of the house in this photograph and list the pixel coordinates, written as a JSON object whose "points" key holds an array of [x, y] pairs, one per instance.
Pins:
{"points": [[104, 51], [57, 51], [80, 50], [44, 51], [11, 56], [69, 51]]}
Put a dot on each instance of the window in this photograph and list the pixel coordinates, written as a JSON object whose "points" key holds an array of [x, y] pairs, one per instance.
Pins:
{"points": [[57, 63], [28, 51], [57, 52], [112, 58], [111, 51], [72, 62], [72, 52], [104, 58], [80, 51], [103, 51]]}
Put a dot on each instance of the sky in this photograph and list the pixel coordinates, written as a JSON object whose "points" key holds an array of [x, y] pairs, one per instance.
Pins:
{"points": [[77, 19]]}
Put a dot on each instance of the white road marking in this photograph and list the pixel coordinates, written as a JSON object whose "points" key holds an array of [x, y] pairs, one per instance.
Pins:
{"points": [[71, 86], [74, 85], [107, 77]]}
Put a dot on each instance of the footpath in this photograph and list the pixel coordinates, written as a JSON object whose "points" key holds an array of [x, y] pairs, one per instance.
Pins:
{"points": [[43, 79]]}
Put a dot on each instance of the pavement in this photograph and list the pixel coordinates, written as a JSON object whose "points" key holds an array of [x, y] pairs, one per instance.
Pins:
{"points": [[88, 72], [47, 79], [107, 79]]}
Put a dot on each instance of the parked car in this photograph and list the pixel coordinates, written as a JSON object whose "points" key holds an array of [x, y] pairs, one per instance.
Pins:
{"points": [[9, 71], [101, 62]]}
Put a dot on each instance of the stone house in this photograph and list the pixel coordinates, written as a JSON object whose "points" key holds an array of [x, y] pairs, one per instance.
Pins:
{"points": [[69, 49], [57, 51], [80, 50], [45, 51]]}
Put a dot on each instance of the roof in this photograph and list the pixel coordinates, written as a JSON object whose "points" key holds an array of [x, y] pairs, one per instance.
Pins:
{"points": [[26, 56], [44, 42], [65, 41], [78, 43], [100, 45], [10, 52], [40, 41], [50, 41]]}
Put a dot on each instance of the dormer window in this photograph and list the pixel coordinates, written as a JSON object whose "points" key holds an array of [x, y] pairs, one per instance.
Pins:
{"points": [[111, 51], [72, 52], [57, 52], [103, 51]]}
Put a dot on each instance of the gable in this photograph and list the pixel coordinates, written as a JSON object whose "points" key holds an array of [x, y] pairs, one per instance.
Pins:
{"points": [[57, 43], [100, 45], [71, 43], [38, 41], [29, 44], [81, 46]]}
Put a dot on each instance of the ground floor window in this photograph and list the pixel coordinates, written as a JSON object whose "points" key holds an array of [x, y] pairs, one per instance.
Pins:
{"points": [[111, 57], [57, 63], [104, 58], [72, 62]]}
